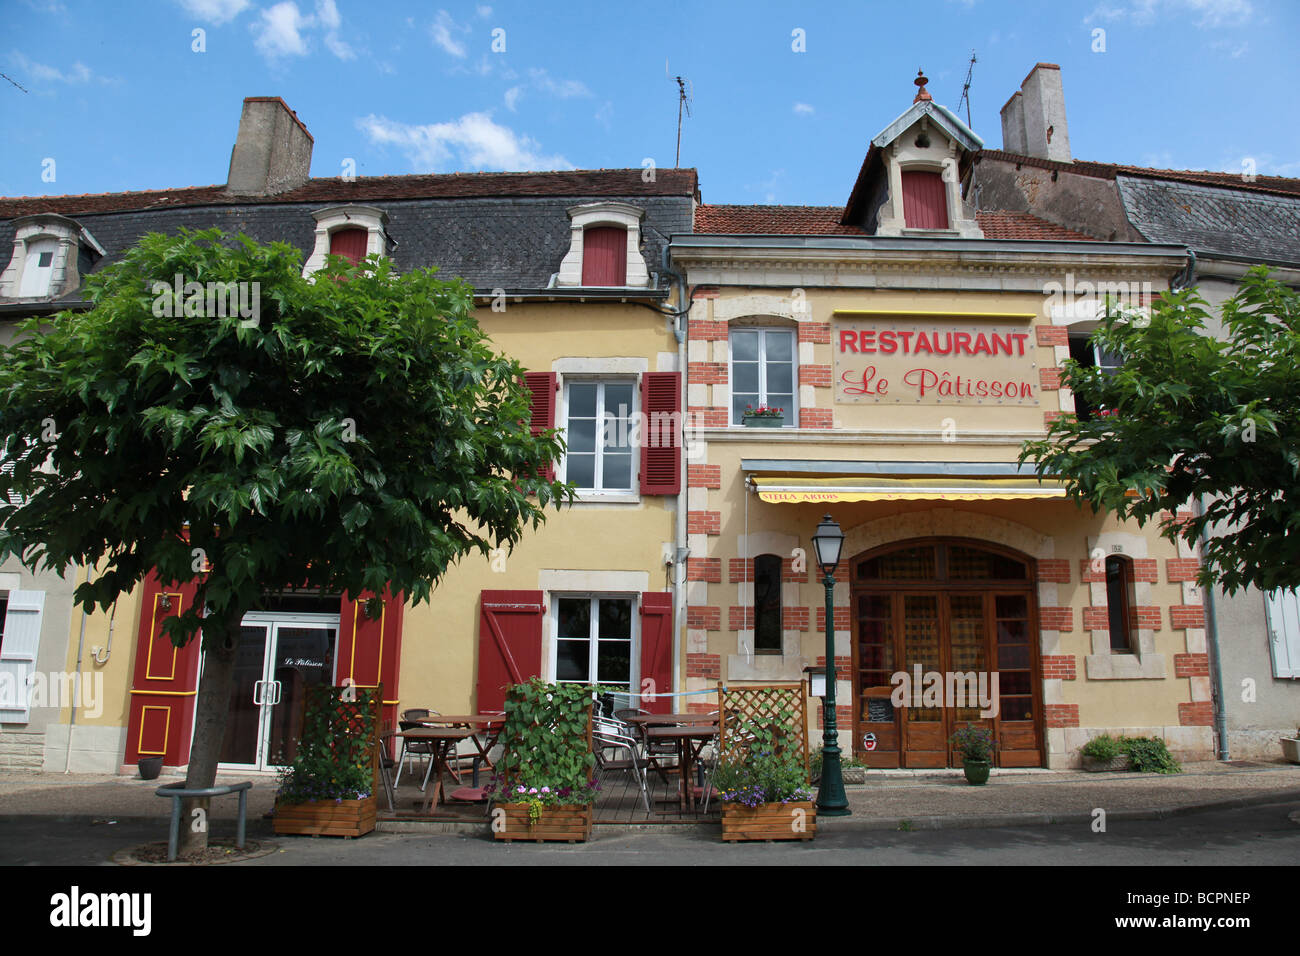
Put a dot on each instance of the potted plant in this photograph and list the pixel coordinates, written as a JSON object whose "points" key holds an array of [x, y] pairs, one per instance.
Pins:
{"points": [[764, 788], [328, 789], [851, 769], [544, 784], [150, 767], [1291, 747], [763, 417], [976, 747], [1104, 753]]}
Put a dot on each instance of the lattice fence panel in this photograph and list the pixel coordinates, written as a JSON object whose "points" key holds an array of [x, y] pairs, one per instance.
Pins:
{"points": [[783, 705]]}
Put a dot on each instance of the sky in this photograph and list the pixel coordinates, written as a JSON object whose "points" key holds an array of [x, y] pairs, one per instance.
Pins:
{"points": [[785, 97]]}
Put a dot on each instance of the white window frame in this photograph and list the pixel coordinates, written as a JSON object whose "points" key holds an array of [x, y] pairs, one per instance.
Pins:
{"points": [[792, 412], [634, 634], [619, 215], [633, 491], [1283, 614], [68, 237], [335, 218]]}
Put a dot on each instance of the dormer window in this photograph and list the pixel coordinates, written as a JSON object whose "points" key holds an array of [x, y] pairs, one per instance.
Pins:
{"points": [[604, 248], [350, 231], [925, 200], [49, 254]]}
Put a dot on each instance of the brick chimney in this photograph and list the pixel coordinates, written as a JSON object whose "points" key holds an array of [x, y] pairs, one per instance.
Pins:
{"points": [[1033, 120], [272, 152]]}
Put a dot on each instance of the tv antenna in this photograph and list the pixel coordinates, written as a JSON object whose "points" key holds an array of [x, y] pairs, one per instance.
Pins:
{"points": [[685, 94], [965, 90]]}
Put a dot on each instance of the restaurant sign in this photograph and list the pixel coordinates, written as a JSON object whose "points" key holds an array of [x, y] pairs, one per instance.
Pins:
{"points": [[933, 363]]}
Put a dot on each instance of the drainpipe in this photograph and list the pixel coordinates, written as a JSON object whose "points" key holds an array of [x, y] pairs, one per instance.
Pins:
{"points": [[1212, 645], [1187, 277], [681, 551], [72, 718]]}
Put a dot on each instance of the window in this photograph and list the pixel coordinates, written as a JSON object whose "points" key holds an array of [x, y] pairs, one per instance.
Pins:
{"points": [[593, 641], [1090, 355], [49, 254], [604, 256], [351, 231], [38, 270], [604, 247], [1284, 632], [1120, 601], [598, 431], [925, 200], [767, 604], [763, 372]]}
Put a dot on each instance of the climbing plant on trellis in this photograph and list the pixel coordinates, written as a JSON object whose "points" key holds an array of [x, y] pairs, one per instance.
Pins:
{"points": [[338, 748], [779, 708]]}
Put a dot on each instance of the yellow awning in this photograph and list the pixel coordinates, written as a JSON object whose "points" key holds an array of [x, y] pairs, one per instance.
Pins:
{"points": [[797, 489]]}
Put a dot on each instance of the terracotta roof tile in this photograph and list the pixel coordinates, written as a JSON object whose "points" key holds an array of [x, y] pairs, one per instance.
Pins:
{"points": [[1000, 224], [579, 182], [773, 221]]}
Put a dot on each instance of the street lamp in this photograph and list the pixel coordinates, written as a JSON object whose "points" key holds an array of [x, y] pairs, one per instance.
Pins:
{"points": [[832, 801]]}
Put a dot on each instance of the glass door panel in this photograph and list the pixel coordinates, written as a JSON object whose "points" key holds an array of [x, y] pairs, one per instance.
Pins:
{"points": [[302, 657], [924, 738], [243, 741], [876, 741]]}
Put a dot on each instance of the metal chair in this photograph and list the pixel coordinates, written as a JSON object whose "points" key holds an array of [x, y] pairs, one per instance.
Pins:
{"points": [[658, 754], [386, 765], [411, 720], [607, 734]]}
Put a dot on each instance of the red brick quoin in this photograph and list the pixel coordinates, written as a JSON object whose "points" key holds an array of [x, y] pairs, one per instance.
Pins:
{"points": [[1062, 715], [1198, 714]]}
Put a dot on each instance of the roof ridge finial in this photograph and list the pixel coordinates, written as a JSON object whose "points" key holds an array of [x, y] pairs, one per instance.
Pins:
{"points": [[921, 93]]}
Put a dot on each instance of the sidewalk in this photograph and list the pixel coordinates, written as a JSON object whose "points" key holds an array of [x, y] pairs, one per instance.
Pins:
{"points": [[890, 800]]}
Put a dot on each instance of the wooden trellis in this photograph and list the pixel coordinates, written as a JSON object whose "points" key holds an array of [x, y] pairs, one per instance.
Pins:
{"points": [[765, 705]]}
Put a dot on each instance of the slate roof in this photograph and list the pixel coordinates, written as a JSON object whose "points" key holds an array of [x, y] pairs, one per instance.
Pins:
{"points": [[496, 230], [825, 221], [1213, 220]]}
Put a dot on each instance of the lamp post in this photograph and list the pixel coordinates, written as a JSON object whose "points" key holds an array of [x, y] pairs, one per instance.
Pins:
{"points": [[832, 801]]}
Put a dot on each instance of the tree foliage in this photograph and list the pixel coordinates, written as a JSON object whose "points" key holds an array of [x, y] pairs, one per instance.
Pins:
{"points": [[1188, 418], [359, 434]]}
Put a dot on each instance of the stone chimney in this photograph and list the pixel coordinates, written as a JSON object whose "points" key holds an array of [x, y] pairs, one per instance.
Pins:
{"points": [[1033, 120], [272, 152]]}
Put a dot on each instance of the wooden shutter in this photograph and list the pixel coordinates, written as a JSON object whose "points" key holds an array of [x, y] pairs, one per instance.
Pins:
{"points": [[543, 385], [604, 256], [349, 243], [661, 436], [925, 201], [1284, 632], [657, 650], [509, 644], [165, 680], [368, 650], [18, 647]]}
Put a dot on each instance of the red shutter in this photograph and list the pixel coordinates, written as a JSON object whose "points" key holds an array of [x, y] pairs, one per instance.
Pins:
{"points": [[657, 650], [369, 649], [509, 644], [543, 385], [350, 243], [925, 201], [604, 256], [160, 718], [661, 434]]}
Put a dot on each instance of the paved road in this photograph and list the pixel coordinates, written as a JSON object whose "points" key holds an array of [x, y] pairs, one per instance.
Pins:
{"points": [[1262, 835]]}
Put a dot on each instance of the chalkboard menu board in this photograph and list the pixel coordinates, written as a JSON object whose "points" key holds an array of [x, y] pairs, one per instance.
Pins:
{"points": [[879, 710]]}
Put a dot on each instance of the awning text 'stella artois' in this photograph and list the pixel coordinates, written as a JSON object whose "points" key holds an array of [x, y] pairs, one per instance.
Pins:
{"points": [[799, 489]]}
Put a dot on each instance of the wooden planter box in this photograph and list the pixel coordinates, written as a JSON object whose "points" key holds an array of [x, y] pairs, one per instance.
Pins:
{"points": [[763, 421], [768, 821], [557, 824], [348, 818]]}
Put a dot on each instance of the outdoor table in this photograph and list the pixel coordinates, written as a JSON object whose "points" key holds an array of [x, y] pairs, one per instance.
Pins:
{"points": [[690, 739], [492, 725], [669, 720], [442, 740]]}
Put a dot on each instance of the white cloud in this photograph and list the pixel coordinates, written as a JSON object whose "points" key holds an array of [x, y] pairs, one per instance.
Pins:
{"points": [[1233, 48], [473, 142], [283, 31], [483, 11], [77, 74], [512, 97], [803, 109], [1209, 13], [279, 31], [564, 89], [215, 12], [442, 28]]}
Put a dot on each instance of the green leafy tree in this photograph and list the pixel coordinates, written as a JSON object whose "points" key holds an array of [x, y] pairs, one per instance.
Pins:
{"points": [[349, 433], [1188, 418]]}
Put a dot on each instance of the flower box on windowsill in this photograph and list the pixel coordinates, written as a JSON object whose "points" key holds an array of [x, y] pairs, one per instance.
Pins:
{"points": [[763, 421], [796, 820], [570, 824]]}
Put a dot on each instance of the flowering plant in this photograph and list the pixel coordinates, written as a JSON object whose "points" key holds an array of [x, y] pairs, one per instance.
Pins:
{"points": [[770, 769], [975, 743], [763, 411], [545, 795], [334, 759]]}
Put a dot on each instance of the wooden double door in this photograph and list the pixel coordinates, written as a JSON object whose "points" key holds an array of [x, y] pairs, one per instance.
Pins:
{"points": [[944, 636]]}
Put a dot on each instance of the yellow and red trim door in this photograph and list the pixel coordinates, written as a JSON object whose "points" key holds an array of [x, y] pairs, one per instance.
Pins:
{"points": [[370, 645], [165, 678]]}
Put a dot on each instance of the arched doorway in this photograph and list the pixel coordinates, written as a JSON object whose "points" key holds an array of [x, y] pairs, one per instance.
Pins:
{"points": [[944, 634]]}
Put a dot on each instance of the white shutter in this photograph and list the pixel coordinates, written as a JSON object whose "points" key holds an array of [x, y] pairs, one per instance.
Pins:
{"points": [[1284, 632], [22, 638], [7, 469]]}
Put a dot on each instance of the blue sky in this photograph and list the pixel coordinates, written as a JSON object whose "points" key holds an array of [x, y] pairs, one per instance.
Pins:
{"points": [[119, 99]]}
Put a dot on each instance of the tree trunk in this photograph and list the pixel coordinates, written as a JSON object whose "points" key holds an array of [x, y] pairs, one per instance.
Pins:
{"points": [[210, 713]]}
